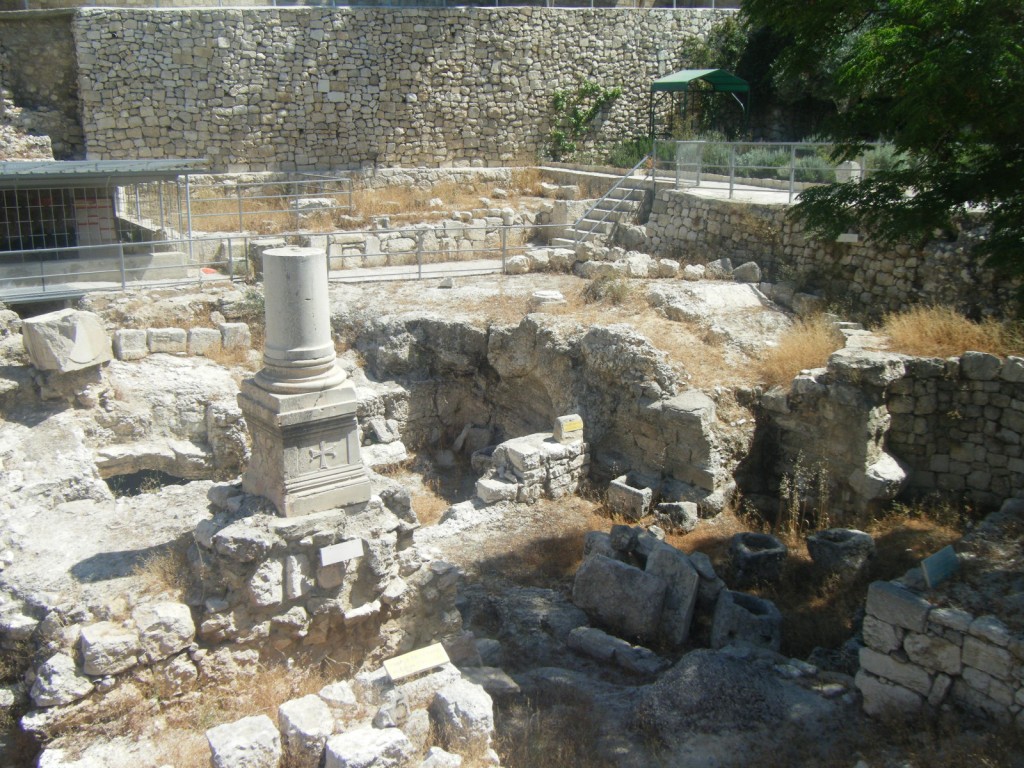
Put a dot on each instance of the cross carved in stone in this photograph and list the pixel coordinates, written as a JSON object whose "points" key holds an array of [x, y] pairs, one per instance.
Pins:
{"points": [[321, 454]]}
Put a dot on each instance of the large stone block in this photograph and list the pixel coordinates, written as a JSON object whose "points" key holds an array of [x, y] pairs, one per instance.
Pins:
{"points": [[252, 742], [108, 648], [67, 340], [883, 699], [625, 599], [369, 748], [908, 675], [742, 619], [305, 725], [898, 606], [59, 682], [463, 714], [164, 628], [680, 595]]}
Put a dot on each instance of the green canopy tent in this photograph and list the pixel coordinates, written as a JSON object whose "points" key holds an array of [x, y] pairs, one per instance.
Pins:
{"points": [[680, 82]]}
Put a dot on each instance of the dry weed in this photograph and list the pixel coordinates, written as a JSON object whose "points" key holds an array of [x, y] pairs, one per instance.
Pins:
{"points": [[807, 344], [428, 504], [943, 332], [555, 736], [164, 573]]}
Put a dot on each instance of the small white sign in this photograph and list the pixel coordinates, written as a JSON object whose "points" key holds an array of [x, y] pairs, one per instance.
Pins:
{"points": [[416, 661], [339, 553]]}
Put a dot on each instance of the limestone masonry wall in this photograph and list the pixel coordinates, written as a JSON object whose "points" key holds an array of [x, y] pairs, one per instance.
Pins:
{"points": [[37, 65], [862, 279], [958, 643], [316, 88]]}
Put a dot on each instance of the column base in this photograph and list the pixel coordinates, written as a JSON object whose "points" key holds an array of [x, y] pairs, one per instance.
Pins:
{"points": [[305, 454]]}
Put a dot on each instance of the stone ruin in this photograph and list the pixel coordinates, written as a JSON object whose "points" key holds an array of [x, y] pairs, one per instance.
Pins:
{"points": [[314, 555]]}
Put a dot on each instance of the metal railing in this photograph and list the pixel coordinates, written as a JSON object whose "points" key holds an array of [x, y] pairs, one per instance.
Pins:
{"points": [[761, 167], [403, 253], [582, 230]]}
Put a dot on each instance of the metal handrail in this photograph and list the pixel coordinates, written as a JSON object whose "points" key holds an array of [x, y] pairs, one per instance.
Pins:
{"points": [[580, 234]]}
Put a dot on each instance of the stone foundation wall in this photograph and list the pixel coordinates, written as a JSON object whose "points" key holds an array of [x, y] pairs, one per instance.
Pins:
{"points": [[317, 88], [862, 279], [883, 424], [919, 656]]}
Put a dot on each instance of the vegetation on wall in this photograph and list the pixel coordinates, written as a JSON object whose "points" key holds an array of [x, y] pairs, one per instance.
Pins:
{"points": [[575, 112], [943, 81]]}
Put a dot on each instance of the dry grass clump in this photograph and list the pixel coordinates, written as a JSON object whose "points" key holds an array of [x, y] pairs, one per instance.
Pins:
{"points": [[164, 573], [943, 332], [807, 344], [558, 735], [428, 504]]}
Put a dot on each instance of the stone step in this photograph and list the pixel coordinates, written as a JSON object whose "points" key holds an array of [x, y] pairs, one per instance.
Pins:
{"points": [[595, 226], [562, 242]]}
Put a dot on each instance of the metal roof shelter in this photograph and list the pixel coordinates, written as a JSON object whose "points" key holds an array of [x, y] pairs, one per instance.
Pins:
{"points": [[37, 174], [719, 80]]}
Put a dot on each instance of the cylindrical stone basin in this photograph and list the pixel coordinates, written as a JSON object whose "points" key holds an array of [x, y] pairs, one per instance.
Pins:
{"points": [[299, 352], [844, 551], [756, 557]]}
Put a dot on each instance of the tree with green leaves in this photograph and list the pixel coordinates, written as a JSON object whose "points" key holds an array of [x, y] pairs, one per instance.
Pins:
{"points": [[943, 81]]}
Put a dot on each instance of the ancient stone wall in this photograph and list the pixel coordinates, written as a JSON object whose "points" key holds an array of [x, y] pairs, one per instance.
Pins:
{"points": [[37, 66], [317, 88], [953, 426], [958, 642], [863, 279]]}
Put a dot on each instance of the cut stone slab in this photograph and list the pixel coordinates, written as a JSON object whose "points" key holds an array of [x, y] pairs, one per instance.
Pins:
{"points": [[172, 341], [439, 758], [252, 742], [369, 748], [67, 340], [203, 341], [59, 682], [130, 344], [619, 596]]}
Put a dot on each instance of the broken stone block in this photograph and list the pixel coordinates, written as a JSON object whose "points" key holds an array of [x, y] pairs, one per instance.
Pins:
{"points": [[742, 619], [172, 341], [668, 268], [203, 341], [693, 272], [719, 269], [463, 714], [369, 748], [598, 543], [842, 551], [243, 543], [493, 490], [493, 680], [59, 682], [517, 265], [439, 758], [67, 340], [164, 628], [252, 742], [305, 725], [628, 496], [677, 516], [266, 586], [235, 336], [619, 596], [108, 648], [756, 558], [749, 272], [130, 344], [604, 647], [680, 596], [341, 699]]}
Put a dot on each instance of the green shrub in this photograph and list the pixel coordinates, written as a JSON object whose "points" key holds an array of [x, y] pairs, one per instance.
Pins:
{"points": [[628, 153], [607, 290], [814, 169]]}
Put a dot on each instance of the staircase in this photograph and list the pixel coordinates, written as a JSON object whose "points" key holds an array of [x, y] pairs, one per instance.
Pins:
{"points": [[619, 204]]}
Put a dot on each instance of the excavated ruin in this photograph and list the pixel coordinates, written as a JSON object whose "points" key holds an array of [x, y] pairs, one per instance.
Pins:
{"points": [[123, 442]]}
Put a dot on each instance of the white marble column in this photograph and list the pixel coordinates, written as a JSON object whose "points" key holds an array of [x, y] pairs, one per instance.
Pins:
{"points": [[300, 407]]}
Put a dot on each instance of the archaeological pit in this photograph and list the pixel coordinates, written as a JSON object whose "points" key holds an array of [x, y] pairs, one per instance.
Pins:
{"points": [[565, 508]]}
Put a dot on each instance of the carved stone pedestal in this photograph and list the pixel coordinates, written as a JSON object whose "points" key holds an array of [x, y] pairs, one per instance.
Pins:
{"points": [[300, 408]]}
